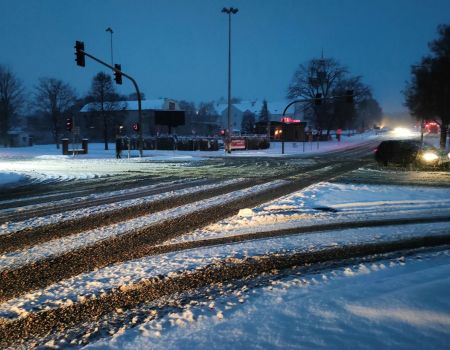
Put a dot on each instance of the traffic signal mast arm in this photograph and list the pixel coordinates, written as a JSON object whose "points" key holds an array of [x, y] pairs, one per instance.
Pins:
{"points": [[119, 72]]}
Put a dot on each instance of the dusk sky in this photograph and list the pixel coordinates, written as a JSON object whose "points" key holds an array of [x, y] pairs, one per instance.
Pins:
{"points": [[178, 48]]}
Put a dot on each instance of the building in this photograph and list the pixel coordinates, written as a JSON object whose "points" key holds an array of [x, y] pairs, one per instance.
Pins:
{"points": [[18, 138], [123, 115], [238, 109]]}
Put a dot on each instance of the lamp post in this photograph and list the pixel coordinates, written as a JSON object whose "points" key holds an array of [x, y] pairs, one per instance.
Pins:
{"points": [[111, 31], [229, 11]]}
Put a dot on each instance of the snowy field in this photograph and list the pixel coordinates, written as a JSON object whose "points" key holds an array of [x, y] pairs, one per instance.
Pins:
{"points": [[44, 163]]}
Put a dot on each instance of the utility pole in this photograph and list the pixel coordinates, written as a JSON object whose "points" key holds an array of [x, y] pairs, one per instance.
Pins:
{"points": [[111, 31], [229, 11]]}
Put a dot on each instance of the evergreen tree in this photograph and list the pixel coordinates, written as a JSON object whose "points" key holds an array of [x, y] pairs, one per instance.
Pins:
{"points": [[264, 114], [248, 123]]}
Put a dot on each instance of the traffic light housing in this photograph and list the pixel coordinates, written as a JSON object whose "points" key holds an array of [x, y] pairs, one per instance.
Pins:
{"points": [[118, 74], [69, 124], [79, 53], [318, 99], [136, 127], [349, 96]]}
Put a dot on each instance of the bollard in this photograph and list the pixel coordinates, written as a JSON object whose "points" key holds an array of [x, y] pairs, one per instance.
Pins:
{"points": [[84, 145], [65, 146]]}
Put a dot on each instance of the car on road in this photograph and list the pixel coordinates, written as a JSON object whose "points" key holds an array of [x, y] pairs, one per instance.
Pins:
{"points": [[410, 152]]}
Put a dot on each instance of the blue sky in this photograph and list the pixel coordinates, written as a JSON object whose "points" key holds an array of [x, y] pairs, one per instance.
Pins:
{"points": [[178, 48]]}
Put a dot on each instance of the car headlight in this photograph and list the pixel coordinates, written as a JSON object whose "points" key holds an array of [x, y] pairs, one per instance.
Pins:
{"points": [[430, 156], [448, 155]]}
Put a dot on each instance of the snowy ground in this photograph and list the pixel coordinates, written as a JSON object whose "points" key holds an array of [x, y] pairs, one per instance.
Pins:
{"points": [[331, 202], [353, 202], [43, 163], [399, 303], [393, 302]]}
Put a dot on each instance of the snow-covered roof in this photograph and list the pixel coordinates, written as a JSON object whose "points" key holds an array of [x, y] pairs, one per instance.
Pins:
{"points": [[255, 106], [146, 104], [131, 105]]}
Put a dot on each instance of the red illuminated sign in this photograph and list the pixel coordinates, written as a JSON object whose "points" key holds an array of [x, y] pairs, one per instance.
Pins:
{"points": [[238, 144], [289, 120]]}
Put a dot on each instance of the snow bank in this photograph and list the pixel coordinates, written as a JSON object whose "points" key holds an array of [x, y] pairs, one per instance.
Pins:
{"points": [[331, 202], [396, 305]]}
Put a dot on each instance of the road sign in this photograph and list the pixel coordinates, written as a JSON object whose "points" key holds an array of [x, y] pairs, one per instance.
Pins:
{"points": [[238, 144]]}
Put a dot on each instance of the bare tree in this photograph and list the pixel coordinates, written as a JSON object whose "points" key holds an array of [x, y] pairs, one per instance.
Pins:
{"points": [[11, 101], [104, 100], [369, 113], [318, 76], [329, 79], [53, 97], [345, 114]]}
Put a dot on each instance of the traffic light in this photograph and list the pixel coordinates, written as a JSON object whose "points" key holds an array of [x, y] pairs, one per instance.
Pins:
{"points": [[349, 96], [318, 99], [69, 124], [136, 127], [118, 74], [79, 53]]}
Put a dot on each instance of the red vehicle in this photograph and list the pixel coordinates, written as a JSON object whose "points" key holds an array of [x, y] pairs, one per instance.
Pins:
{"points": [[431, 127]]}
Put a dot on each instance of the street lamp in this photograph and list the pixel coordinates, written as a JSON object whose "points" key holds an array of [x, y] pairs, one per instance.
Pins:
{"points": [[111, 31], [229, 11]]}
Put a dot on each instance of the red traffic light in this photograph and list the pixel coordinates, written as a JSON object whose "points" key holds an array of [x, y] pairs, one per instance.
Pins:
{"points": [[136, 127], [79, 53], [69, 124]]}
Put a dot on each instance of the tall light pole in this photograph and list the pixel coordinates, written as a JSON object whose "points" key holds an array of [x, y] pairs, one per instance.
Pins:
{"points": [[229, 11], [111, 31]]}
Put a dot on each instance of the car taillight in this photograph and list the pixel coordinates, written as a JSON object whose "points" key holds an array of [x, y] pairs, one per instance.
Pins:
{"points": [[375, 150]]}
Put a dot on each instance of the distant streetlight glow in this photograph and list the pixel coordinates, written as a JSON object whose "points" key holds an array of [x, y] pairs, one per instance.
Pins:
{"points": [[402, 132]]}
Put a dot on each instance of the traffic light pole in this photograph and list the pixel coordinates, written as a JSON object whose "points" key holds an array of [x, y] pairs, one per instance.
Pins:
{"points": [[141, 140]]}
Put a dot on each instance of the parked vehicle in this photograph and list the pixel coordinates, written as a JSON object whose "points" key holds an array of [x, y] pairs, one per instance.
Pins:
{"points": [[410, 152]]}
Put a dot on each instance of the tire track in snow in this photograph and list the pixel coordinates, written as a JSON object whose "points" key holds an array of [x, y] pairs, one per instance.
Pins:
{"points": [[64, 226], [43, 229], [35, 325], [139, 243], [53, 207]]}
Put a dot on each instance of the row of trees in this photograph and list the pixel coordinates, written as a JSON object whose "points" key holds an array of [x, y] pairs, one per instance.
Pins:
{"points": [[51, 101], [427, 94]]}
